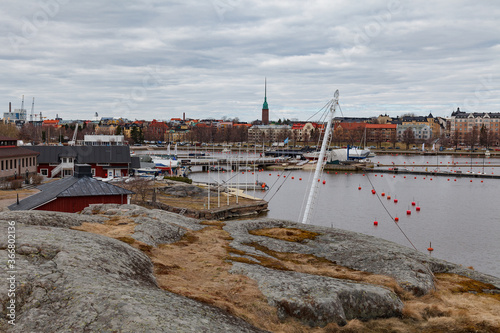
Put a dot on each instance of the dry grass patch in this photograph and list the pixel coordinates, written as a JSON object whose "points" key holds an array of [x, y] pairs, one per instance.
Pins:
{"points": [[8, 197], [115, 227], [198, 267], [459, 304], [310, 264], [286, 234]]}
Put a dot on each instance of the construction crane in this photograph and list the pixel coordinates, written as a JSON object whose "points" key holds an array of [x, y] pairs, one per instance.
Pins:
{"points": [[32, 110], [73, 141]]}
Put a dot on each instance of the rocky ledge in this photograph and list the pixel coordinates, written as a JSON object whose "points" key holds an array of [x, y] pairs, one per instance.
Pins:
{"points": [[74, 281]]}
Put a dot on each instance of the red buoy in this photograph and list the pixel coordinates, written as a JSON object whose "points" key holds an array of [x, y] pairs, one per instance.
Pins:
{"points": [[293, 178], [324, 182], [408, 212], [388, 197], [430, 249], [359, 188], [300, 178], [395, 200], [269, 174], [417, 208], [413, 203], [375, 223], [373, 192], [382, 194], [396, 219]]}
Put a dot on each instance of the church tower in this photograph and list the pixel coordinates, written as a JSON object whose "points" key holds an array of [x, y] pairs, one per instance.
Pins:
{"points": [[265, 108]]}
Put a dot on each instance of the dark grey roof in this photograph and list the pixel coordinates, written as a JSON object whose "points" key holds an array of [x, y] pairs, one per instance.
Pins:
{"points": [[83, 154], [135, 162], [68, 187], [15, 152]]}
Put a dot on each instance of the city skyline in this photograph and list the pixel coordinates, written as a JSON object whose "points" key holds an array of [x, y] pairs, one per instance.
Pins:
{"points": [[158, 60]]}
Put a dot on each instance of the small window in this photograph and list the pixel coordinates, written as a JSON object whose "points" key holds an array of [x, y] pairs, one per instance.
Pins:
{"points": [[92, 171], [2, 165], [44, 172]]}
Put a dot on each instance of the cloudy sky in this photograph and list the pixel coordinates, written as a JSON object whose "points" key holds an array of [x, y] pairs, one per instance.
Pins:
{"points": [[155, 59]]}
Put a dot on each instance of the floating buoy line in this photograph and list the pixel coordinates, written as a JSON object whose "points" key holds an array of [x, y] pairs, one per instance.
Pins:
{"points": [[394, 219]]}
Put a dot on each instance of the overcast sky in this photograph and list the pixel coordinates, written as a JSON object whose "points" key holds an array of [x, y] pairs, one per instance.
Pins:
{"points": [[155, 59]]}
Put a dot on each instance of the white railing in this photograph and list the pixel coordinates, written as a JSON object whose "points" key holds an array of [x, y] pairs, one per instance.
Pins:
{"points": [[60, 167]]}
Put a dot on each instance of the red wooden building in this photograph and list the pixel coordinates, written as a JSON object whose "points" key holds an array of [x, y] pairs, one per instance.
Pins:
{"points": [[72, 194], [104, 161]]}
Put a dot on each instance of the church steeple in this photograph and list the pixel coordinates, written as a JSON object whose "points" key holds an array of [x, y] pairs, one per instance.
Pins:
{"points": [[265, 107]]}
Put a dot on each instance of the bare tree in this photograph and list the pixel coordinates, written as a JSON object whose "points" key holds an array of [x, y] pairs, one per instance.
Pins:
{"points": [[455, 138], [393, 138], [471, 138], [484, 134], [408, 137], [9, 130]]}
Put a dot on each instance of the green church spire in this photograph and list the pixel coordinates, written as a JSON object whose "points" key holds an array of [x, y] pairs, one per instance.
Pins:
{"points": [[264, 106]]}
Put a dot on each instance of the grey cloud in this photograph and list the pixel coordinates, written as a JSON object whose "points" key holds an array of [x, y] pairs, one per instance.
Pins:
{"points": [[209, 58]]}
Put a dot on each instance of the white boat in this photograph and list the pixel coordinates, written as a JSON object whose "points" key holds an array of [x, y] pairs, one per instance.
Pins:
{"points": [[147, 173], [357, 154], [165, 163], [343, 154]]}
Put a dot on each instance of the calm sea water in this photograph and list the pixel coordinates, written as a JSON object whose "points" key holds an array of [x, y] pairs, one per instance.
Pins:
{"points": [[461, 218]]}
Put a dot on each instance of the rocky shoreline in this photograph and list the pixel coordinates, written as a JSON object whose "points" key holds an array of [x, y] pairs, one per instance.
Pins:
{"points": [[310, 277]]}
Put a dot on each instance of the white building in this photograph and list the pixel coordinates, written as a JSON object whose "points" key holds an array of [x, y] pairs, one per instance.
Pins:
{"points": [[420, 131], [103, 140]]}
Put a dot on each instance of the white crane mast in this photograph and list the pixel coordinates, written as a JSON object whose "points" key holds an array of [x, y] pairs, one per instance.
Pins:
{"points": [[319, 165]]}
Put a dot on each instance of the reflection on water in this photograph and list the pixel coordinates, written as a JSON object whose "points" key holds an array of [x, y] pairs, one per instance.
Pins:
{"points": [[461, 218]]}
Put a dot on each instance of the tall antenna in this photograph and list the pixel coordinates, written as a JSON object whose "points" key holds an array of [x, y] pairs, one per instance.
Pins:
{"points": [[22, 104], [319, 165]]}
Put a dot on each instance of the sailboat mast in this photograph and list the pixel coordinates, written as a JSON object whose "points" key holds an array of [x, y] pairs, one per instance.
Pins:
{"points": [[319, 165]]}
